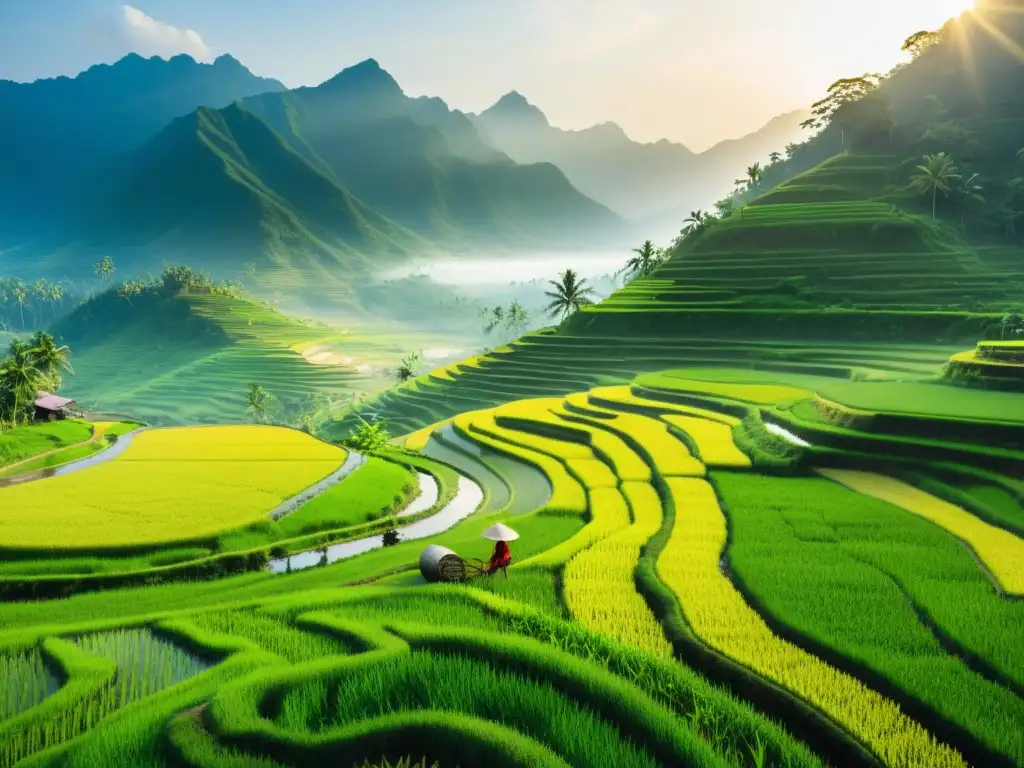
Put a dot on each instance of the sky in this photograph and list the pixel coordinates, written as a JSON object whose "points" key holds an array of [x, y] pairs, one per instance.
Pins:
{"points": [[692, 71]]}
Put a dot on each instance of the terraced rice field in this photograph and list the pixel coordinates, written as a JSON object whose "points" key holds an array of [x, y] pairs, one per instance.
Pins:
{"points": [[197, 481], [668, 604], [546, 364], [138, 370], [997, 362]]}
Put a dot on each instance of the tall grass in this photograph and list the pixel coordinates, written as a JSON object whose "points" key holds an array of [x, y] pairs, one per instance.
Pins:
{"points": [[425, 681], [27, 681], [273, 634], [144, 664], [892, 593]]}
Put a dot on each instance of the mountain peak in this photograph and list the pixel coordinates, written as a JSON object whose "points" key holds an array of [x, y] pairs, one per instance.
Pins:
{"points": [[514, 106], [227, 60], [366, 75], [513, 98]]}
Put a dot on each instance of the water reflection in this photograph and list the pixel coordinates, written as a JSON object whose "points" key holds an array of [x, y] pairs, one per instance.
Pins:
{"points": [[467, 499], [426, 499], [106, 454]]}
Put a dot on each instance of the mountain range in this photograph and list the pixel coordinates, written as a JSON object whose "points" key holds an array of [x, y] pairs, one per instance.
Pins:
{"points": [[56, 135], [650, 183], [153, 161]]}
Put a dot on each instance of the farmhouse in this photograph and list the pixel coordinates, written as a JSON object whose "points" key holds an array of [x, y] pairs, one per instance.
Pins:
{"points": [[53, 407]]}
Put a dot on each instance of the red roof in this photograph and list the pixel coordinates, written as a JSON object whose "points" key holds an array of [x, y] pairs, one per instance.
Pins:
{"points": [[49, 402]]}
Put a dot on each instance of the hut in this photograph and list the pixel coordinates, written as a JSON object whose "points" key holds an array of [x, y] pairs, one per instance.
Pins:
{"points": [[51, 407]]}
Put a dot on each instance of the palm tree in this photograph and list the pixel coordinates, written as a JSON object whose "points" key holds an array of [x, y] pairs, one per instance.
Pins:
{"points": [[968, 190], [20, 376], [642, 263], [259, 402], [754, 174], [775, 157], [56, 295], [21, 298], [938, 172], [695, 220], [104, 268], [41, 293], [570, 294], [50, 359]]}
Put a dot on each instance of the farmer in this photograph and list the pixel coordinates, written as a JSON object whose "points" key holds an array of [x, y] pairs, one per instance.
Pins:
{"points": [[500, 559], [501, 534]]}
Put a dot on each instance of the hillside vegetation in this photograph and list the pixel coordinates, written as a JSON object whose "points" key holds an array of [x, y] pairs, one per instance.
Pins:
{"points": [[184, 350], [840, 258], [824, 254]]}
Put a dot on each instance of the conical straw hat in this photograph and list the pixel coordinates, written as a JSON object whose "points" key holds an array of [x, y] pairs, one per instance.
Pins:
{"points": [[500, 532]]}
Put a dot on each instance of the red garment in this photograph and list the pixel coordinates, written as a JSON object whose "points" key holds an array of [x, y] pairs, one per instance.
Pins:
{"points": [[501, 557]]}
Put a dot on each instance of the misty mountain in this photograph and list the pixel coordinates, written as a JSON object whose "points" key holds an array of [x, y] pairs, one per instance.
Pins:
{"points": [[56, 133], [335, 177], [422, 164], [224, 182], [640, 181]]}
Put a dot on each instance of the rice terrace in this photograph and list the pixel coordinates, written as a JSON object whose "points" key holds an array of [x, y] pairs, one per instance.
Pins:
{"points": [[298, 469]]}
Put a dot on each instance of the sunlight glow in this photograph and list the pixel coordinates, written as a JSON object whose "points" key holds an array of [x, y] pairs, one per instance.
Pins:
{"points": [[928, 14]]}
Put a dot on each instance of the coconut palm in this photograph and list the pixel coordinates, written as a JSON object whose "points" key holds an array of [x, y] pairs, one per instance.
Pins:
{"points": [[938, 173], [104, 268], [41, 293], [50, 359], [969, 191], [19, 376], [259, 402], [754, 174], [642, 263], [21, 299], [570, 294], [56, 295]]}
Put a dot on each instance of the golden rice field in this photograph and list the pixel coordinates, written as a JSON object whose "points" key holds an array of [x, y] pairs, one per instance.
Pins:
{"points": [[614, 453], [600, 589], [714, 441], [719, 616], [663, 559], [169, 485]]}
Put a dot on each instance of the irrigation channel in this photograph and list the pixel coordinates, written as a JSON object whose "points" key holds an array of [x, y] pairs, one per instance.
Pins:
{"points": [[106, 454], [352, 462], [467, 499], [785, 434], [532, 489]]}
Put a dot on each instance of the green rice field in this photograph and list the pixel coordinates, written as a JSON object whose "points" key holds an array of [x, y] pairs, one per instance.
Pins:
{"points": [[830, 627]]}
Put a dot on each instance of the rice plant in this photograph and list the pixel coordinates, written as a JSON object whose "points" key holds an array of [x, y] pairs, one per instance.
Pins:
{"points": [[27, 681], [427, 681], [856, 574], [144, 664], [272, 633]]}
